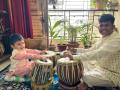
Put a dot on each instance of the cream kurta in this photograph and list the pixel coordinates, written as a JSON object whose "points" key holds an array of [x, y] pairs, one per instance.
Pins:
{"points": [[106, 52]]}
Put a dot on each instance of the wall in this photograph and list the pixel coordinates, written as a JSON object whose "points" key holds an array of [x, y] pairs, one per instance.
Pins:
{"points": [[117, 15], [38, 9], [36, 19]]}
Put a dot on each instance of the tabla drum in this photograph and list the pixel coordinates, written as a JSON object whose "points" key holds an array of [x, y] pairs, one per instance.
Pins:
{"points": [[1, 49], [49, 54], [69, 71], [42, 72], [52, 56]]}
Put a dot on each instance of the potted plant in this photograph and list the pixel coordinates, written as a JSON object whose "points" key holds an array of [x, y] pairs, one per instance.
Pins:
{"points": [[85, 39], [62, 46], [99, 4], [93, 4], [72, 35], [53, 33], [86, 34], [112, 4]]}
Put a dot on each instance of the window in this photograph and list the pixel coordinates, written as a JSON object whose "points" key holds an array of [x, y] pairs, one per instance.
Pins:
{"points": [[73, 12]]}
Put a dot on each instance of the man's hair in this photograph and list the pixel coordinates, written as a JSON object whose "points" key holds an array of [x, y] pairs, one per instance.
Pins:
{"points": [[15, 37], [107, 18]]}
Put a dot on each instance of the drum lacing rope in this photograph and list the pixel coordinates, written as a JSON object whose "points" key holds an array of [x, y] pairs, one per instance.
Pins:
{"points": [[40, 74], [79, 69], [67, 74], [42, 79], [62, 74], [73, 74], [36, 70]]}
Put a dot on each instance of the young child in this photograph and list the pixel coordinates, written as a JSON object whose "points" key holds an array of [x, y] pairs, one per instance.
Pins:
{"points": [[20, 64]]}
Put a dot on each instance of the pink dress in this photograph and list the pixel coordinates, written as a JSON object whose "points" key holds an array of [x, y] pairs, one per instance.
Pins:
{"points": [[20, 64]]}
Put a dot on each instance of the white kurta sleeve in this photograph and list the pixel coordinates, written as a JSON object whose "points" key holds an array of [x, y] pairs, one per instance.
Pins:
{"points": [[108, 48], [82, 50]]}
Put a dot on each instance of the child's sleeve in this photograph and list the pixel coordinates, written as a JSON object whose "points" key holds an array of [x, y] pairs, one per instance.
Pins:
{"points": [[33, 51], [27, 56]]}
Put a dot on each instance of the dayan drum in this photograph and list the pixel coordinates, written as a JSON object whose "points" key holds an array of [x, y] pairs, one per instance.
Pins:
{"points": [[42, 72], [69, 71], [52, 56]]}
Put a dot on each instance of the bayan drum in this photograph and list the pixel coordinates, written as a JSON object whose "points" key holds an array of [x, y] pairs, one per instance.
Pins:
{"points": [[69, 72], [42, 72]]}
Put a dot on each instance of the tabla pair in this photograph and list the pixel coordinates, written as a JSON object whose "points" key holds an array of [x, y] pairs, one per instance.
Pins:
{"points": [[69, 72]]}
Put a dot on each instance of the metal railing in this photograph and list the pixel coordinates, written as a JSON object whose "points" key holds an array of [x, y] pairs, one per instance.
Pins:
{"points": [[82, 15]]}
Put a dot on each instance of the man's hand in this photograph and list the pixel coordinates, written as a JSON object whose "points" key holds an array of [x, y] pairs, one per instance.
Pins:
{"points": [[73, 50], [68, 54]]}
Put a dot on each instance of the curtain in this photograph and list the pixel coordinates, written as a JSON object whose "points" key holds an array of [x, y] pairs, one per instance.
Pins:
{"points": [[5, 24], [5, 18], [20, 18], [17, 20]]}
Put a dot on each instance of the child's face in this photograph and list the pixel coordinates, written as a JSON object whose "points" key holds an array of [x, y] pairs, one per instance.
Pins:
{"points": [[19, 45]]}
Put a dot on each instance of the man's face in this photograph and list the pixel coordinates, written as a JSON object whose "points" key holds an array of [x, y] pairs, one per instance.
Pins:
{"points": [[105, 28]]}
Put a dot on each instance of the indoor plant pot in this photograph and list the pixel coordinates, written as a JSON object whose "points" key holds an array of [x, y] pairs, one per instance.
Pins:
{"points": [[61, 47], [73, 44], [51, 47]]}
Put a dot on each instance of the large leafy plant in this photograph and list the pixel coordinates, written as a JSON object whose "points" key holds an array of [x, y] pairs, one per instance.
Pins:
{"points": [[86, 34], [99, 4], [53, 32], [72, 33]]}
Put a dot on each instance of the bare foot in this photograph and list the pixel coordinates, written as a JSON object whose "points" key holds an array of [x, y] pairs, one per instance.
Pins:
{"points": [[82, 86]]}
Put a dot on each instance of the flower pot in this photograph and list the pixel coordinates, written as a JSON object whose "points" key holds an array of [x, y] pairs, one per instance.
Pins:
{"points": [[86, 47], [62, 47], [73, 45], [51, 47]]}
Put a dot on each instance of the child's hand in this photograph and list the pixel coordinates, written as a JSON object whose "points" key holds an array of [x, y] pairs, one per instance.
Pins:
{"points": [[43, 58], [43, 52]]}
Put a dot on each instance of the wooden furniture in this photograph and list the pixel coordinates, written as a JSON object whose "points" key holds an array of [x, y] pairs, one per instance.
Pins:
{"points": [[4, 58]]}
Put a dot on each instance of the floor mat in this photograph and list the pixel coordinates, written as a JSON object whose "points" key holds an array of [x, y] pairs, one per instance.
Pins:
{"points": [[13, 86], [3, 65], [5, 85]]}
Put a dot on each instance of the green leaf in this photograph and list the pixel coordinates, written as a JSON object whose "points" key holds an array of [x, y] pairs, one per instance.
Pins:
{"points": [[52, 33], [57, 23], [55, 35]]}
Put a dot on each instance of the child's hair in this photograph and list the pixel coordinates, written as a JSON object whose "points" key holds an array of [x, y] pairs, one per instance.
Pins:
{"points": [[15, 37]]}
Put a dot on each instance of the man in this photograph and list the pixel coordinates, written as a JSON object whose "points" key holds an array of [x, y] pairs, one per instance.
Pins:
{"points": [[106, 53]]}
